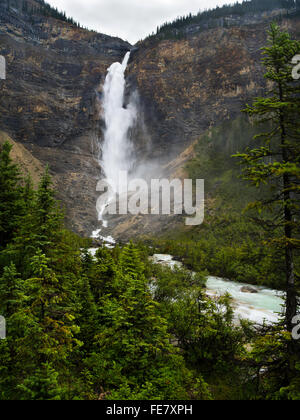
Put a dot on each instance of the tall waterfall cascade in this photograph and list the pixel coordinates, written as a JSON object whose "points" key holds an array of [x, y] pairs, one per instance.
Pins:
{"points": [[117, 152]]}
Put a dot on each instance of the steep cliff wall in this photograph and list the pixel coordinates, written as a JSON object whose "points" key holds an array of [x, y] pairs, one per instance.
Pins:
{"points": [[50, 101], [189, 85]]}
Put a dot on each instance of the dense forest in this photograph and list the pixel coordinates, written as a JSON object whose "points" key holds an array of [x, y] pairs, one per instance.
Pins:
{"points": [[83, 327], [215, 17], [47, 10], [116, 325], [42, 8]]}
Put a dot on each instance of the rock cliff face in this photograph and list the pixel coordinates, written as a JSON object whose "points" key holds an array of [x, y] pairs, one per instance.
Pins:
{"points": [[187, 86], [51, 100]]}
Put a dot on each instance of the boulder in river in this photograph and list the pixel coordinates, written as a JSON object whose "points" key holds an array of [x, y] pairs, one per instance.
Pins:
{"points": [[248, 289]]}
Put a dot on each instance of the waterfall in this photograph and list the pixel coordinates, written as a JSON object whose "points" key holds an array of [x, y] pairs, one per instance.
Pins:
{"points": [[117, 152]]}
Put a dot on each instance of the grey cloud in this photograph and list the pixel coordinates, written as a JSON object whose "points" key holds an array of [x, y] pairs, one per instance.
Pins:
{"points": [[130, 20]]}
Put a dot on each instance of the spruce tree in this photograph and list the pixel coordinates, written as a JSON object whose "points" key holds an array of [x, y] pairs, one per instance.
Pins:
{"points": [[41, 225], [276, 161], [41, 385], [11, 205], [133, 357], [102, 274], [130, 261], [11, 291], [28, 194], [88, 317], [47, 214], [49, 328]]}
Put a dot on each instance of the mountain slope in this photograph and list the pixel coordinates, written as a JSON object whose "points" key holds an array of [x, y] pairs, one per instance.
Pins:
{"points": [[190, 85], [50, 101]]}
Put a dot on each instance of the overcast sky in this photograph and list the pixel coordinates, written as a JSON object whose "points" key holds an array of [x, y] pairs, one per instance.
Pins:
{"points": [[130, 20]]}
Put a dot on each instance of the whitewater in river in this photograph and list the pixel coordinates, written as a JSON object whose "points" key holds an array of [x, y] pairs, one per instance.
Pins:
{"points": [[266, 304]]}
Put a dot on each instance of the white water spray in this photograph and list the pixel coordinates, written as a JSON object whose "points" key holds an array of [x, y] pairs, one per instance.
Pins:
{"points": [[117, 149]]}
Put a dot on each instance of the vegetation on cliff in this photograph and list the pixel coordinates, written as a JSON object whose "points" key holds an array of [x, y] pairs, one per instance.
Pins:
{"points": [[39, 7], [220, 16]]}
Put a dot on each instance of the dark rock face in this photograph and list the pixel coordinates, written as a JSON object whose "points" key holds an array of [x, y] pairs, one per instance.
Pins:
{"points": [[248, 289], [190, 85], [51, 101], [53, 72]]}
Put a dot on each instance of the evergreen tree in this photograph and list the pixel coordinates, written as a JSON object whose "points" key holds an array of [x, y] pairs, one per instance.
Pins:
{"points": [[88, 317], [7, 382], [47, 214], [276, 162], [12, 300], [11, 291], [130, 262], [28, 194], [103, 274], [49, 328], [11, 205], [40, 227], [133, 357], [42, 385]]}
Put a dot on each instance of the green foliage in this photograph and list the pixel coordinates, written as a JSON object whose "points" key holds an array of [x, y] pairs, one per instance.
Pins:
{"points": [[11, 204], [45, 9], [275, 162], [79, 327], [11, 291], [133, 357], [42, 385], [203, 327], [205, 330], [270, 354]]}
